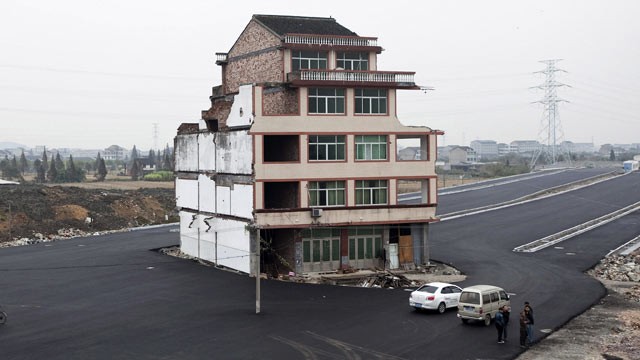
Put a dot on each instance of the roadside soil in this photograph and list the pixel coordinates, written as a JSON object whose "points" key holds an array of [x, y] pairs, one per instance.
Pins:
{"points": [[44, 212]]}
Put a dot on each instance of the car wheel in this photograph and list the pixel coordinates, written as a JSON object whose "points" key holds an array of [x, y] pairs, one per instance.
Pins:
{"points": [[442, 308], [465, 321], [487, 320]]}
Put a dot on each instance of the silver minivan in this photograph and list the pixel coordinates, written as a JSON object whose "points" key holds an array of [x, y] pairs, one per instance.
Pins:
{"points": [[481, 303]]}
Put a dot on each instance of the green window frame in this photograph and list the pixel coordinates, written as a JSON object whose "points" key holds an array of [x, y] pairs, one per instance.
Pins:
{"points": [[371, 101], [326, 193], [371, 147], [326, 101], [301, 60], [326, 147], [371, 192], [353, 60]]}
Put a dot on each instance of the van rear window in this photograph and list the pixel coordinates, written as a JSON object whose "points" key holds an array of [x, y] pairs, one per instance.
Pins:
{"points": [[470, 297]]}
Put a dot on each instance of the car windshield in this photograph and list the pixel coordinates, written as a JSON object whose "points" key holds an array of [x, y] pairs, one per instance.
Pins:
{"points": [[470, 297], [428, 288]]}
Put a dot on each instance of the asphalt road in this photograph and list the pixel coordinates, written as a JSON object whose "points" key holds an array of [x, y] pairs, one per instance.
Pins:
{"points": [[112, 297]]}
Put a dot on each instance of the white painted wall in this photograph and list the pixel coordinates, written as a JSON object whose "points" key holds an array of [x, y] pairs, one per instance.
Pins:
{"points": [[234, 153], [186, 152], [241, 113], [233, 244], [189, 229], [223, 200], [242, 201], [207, 152], [207, 193], [187, 193]]}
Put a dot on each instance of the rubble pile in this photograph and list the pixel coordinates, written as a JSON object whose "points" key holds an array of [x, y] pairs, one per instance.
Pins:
{"points": [[619, 268], [386, 279]]}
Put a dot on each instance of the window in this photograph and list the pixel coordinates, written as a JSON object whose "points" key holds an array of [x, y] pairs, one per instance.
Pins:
{"points": [[326, 193], [326, 147], [308, 60], [326, 101], [371, 192], [371, 147], [371, 101], [353, 60]]}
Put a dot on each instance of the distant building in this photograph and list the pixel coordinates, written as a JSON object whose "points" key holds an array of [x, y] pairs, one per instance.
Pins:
{"points": [[114, 152], [503, 149], [525, 146], [462, 155], [485, 149]]}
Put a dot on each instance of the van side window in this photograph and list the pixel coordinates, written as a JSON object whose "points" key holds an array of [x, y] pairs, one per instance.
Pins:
{"points": [[504, 295], [494, 297], [486, 299]]}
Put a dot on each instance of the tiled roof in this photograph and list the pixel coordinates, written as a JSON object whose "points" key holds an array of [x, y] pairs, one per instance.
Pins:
{"points": [[303, 25]]}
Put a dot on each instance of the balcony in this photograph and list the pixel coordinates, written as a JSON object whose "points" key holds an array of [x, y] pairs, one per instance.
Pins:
{"points": [[331, 40], [221, 58], [348, 78]]}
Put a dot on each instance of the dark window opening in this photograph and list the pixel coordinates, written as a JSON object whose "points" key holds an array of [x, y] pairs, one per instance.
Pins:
{"points": [[281, 148], [281, 195]]}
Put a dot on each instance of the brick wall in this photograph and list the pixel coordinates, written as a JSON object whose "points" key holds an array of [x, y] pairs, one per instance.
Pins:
{"points": [[219, 111], [280, 101], [248, 64]]}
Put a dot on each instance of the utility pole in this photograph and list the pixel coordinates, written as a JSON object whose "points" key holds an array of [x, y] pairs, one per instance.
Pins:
{"points": [[256, 266], [551, 129]]}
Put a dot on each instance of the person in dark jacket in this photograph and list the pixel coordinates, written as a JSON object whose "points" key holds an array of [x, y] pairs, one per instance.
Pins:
{"points": [[523, 329], [506, 311], [499, 321], [528, 310]]}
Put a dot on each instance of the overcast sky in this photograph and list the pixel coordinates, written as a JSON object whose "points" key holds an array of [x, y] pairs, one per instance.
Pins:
{"points": [[92, 73]]}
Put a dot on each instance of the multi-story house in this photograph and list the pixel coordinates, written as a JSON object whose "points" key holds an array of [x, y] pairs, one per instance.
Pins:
{"points": [[298, 156], [462, 155], [485, 149]]}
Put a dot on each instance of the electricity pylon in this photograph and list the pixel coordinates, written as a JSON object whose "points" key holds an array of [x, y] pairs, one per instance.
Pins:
{"points": [[551, 130]]}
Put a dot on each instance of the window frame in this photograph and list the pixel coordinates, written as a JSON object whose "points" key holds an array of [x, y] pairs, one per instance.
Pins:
{"points": [[298, 58], [323, 99], [343, 59], [365, 190], [313, 187], [317, 144], [367, 148], [362, 101]]}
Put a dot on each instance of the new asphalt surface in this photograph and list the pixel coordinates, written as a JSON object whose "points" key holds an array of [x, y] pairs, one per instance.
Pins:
{"points": [[114, 297]]}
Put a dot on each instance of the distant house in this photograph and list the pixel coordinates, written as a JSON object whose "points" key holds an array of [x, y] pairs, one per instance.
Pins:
{"points": [[114, 152], [462, 155], [525, 146], [485, 149]]}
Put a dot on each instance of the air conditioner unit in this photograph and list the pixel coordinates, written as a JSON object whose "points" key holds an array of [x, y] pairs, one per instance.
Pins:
{"points": [[316, 212]]}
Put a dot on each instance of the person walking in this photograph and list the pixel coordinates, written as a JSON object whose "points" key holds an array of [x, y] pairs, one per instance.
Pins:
{"points": [[528, 310], [506, 312], [499, 321], [523, 329]]}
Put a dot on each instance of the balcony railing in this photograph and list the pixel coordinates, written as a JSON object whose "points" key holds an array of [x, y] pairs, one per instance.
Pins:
{"points": [[330, 40], [221, 58], [397, 78]]}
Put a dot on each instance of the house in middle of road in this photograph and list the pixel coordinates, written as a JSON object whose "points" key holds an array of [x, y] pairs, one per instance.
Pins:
{"points": [[298, 156]]}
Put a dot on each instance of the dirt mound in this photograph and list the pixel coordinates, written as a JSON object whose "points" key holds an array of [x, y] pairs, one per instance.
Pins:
{"points": [[28, 210]]}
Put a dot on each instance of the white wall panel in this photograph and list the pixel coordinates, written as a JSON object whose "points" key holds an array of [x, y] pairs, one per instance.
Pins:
{"points": [[207, 152], [233, 244], [188, 233], [223, 200], [234, 153], [242, 201], [207, 238], [186, 152], [187, 193], [207, 193], [241, 113]]}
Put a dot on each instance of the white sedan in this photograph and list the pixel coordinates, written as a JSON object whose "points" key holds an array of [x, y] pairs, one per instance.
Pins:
{"points": [[435, 296]]}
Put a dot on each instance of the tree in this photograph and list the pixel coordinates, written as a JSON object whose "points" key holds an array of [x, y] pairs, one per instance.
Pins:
{"points": [[74, 174], [61, 172], [612, 155], [136, 169], [134, 153], [97, 165], [24, 164], [152, 158], [40, 173], [45, 161], [52, 174], [102, 170]]}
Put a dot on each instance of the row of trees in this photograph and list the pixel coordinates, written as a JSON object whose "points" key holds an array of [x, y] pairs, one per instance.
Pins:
{"points": [[56, 170]]}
